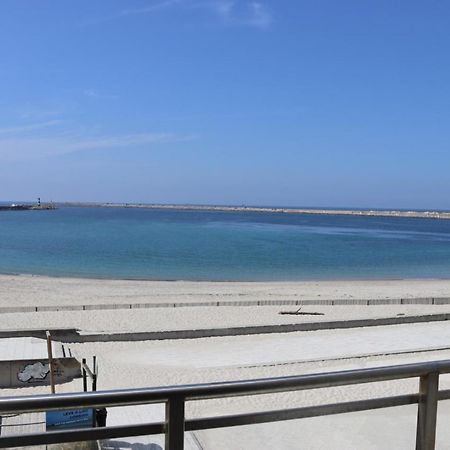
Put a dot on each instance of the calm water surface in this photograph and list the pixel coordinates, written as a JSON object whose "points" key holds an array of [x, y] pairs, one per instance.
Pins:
{"points": [[193, 245]]}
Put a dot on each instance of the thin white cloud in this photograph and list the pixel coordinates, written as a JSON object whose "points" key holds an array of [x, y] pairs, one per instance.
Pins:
{"points": [[29, 127], [254, 14], [230, 12], [14, 149], [124, 141], [94, 93], [43, 112], [151, 8], [259, 16]]}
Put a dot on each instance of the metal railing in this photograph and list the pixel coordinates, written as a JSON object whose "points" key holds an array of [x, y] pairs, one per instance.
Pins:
{"points": [[175, 398]]}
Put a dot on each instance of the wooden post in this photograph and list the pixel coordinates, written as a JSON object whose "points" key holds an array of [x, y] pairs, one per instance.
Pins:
{"points": [[50, 361]]}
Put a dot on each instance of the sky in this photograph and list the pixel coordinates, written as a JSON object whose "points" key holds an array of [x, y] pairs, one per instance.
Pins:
{"points": [[289, 102]]}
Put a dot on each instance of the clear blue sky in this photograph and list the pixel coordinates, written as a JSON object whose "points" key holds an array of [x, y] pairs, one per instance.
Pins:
{"points": [[318, 102]]}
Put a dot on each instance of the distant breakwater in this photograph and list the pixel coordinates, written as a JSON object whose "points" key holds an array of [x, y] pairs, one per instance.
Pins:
{"points": [[27, 208], [443, 215]]}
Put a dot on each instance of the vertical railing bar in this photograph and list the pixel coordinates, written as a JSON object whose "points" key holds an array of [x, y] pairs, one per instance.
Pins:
{"points": [[94, 371], [427, 411], [50, 361], [83, 372], [174, 438]]}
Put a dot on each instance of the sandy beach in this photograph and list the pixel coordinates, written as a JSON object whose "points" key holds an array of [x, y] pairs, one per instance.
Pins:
{"points": [[168, 362], [27, 290], [35, 291]]}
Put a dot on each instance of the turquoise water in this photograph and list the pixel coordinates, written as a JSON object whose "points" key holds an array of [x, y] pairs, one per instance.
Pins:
{"points": [[193, 245]]}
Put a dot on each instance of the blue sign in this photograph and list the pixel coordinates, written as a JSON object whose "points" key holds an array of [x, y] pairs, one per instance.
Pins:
{"points": [[74, 418]]}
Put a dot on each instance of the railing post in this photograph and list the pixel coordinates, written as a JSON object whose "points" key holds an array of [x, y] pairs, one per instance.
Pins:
{"points": [[94, 372], [50, 362], [175, 423], [427, 411], [83, 372]]}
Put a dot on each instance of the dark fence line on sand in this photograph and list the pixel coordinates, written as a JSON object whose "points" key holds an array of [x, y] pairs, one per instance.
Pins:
{"points": [[71, 335], [335, 302]]}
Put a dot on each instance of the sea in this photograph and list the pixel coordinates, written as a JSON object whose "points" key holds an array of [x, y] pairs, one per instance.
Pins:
{"points": [[162, 244]]}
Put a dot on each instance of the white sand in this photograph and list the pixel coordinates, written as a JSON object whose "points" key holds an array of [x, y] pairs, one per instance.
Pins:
{"points": [[44, 291], [152, 363], [213, 359], [169, 319]]}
